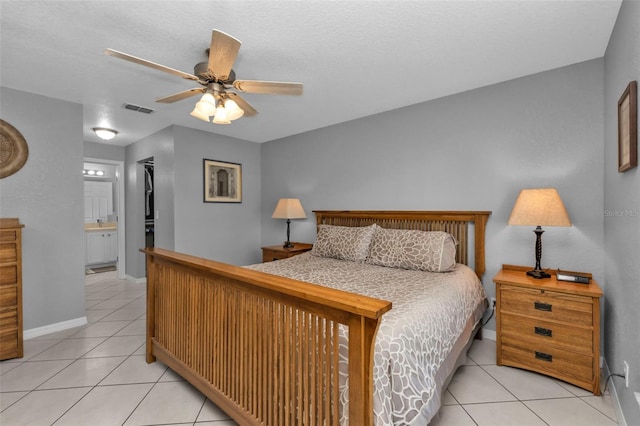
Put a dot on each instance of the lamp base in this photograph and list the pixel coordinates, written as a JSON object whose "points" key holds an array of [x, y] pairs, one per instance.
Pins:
{"points": [[538, 274], [288, 244]]}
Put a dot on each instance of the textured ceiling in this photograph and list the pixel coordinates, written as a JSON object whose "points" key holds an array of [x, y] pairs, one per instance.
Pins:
{"points": [[355, 58]]}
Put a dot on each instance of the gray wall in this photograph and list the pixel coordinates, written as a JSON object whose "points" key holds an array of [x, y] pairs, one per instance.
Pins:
{"points": [[622, 217], [472, 151], [229, 232], [158, 146], [47, 196], [104, 151]]}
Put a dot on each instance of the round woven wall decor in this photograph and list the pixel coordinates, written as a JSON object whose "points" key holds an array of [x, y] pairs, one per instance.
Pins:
{"points": [[13, 149]]}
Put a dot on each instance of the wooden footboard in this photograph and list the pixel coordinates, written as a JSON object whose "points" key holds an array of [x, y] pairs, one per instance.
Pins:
{"points": [[263, 348]]}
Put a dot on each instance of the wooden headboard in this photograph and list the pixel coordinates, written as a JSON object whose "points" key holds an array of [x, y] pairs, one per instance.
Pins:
{"points": [[455, 223]]}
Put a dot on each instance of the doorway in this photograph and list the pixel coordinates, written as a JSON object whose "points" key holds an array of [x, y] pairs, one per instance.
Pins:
{"points": [[108, 210]]}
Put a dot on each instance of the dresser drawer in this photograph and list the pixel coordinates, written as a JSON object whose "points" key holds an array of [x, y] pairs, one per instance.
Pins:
{"points": [[9, 345], [8, 235], [8, 252], [547, 305], [546, 359], [8, 319], [271, 255], [8, 296], [543, 333], [8, 274]]}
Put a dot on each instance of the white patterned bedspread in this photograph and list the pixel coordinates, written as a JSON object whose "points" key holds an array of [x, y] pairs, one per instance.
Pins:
{"points": [[429, 313]]}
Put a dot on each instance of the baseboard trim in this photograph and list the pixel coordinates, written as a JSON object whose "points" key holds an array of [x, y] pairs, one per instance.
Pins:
{"points": [[614, 394], [52, 328], [136, 280], [489, 334]]}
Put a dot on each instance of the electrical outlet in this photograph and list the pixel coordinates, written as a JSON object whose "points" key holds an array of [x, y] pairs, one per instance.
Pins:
{"points": [[626, 374], [492, 302]]}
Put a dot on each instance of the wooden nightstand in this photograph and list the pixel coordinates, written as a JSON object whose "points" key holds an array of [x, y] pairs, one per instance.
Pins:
{"points": [[271, 253], [548, 326]]}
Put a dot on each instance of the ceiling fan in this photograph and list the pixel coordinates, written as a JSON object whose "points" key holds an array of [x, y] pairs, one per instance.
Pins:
{"points": [[216, 78]]}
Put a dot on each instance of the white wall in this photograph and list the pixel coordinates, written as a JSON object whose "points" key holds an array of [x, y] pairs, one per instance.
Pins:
{"points": [[47, 195], [472, 151], [622, 217]]}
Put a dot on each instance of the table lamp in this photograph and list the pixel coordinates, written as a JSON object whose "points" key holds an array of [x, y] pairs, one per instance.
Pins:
{"points": [[539, 207], [288, 208]]}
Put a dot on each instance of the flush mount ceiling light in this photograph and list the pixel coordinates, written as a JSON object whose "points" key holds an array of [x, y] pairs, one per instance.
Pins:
{"points": [[104, 133]]}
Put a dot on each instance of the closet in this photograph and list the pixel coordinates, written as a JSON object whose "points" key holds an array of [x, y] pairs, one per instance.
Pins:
{"points": [[149, 217]]}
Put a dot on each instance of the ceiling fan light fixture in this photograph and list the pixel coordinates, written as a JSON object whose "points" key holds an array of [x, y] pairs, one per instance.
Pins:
{"points": [[104, 133], [221, 116], [207, 105], [233, 110], [197, 114]]}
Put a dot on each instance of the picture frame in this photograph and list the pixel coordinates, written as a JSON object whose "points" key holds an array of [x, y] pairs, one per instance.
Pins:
{"points": [[628, 128], [222, 181]]}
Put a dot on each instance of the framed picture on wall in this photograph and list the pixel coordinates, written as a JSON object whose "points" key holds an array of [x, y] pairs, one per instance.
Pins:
{"points": [[628, 128], [222, 182]]}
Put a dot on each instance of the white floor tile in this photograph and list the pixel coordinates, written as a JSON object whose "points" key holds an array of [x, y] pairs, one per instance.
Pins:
{"points": [[603, 404], [111, 304], [568, 411], [472, 384], [69, 349], [135, 370], [105, 406], [97, 314], [125, 313], [135, 328], [211, 412], [503, 414], [448, 399], [483, 352], [8, 398], [29, 375], [41, 407], [83, 372], [117, 346], [526, 384], [452, 415], [34, 347], [173, 402], [101, 329]]}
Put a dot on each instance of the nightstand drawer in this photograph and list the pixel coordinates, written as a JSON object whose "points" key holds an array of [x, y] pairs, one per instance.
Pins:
{"points": [[545, 359], [271, 255], [543, 333], [547, 305]]}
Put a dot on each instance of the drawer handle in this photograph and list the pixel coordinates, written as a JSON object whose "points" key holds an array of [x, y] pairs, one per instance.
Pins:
{"points": [[544, 357], [542, 306], [544, 331]]}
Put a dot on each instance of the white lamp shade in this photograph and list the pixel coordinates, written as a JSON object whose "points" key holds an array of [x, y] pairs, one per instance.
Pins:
{"points": [[289, 208], [233, 110], [221, 116], [539, 207], [207, 104], [197, 114]]}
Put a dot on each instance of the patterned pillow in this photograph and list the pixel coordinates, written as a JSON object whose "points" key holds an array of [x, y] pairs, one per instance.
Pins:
{"points": [[343, 242], [433, 251]]}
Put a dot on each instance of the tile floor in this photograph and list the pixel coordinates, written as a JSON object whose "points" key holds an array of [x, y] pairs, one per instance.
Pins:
{"points": [[96, 375]]}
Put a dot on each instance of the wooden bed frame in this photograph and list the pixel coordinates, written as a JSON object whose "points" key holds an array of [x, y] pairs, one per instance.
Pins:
{"points": [[264, 348]]}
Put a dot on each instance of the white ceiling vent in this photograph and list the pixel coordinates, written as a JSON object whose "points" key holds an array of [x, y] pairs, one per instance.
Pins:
{"points": [[138, 108]]}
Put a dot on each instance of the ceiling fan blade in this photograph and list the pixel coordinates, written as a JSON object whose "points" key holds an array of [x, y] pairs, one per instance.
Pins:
{"points": [[222, 54], [149, 64], [249, 111], [181, 95], [269, 87]]}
